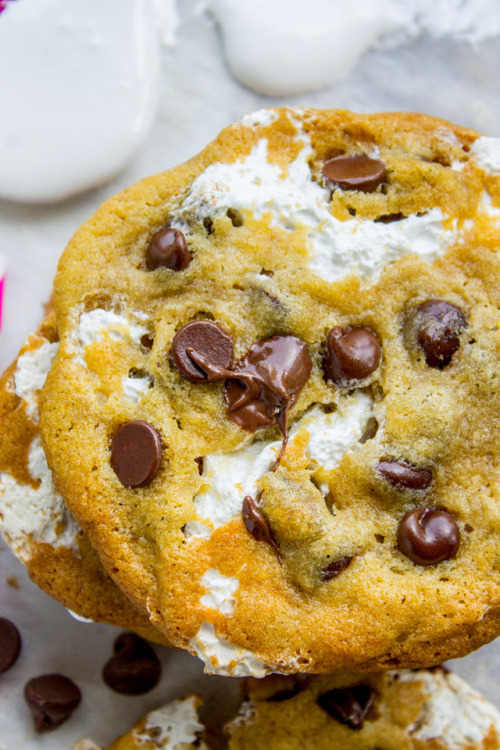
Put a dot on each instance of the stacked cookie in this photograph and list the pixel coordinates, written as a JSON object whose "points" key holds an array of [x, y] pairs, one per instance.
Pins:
{"points": [[267, 399], [391, 710]]}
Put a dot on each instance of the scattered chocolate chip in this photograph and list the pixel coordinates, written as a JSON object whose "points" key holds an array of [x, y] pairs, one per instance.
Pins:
{"points": [[201, 463], [352, 354], [51, 698], [257, 525], [333, 569], [284, 695], [168, 249], [136, 453], [135, 669], [359, 172], [210, 344], [10, 644], [147, 341], [428, 536], [348, 705], [435, 326], [267, 382], [403, 475]]}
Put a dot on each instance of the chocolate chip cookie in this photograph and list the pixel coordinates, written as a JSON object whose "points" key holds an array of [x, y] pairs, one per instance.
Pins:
{"points": [[274, 407], [391, 710], [34, 520]]}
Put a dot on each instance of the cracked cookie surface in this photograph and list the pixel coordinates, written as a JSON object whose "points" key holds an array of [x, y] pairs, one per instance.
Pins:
{"points": [[373, 542]]}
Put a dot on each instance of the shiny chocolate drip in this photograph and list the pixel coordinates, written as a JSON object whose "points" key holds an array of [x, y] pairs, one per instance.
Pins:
{"points": [[260, 390]]}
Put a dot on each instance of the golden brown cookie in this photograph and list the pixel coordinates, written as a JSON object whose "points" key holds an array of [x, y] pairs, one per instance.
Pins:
{"points": [[422, 710], [33, 518], [323, 275], [390, 711]]}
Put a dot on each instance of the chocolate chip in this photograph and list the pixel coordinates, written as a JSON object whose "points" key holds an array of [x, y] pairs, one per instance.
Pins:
{"points": [[403, 475], [200, 461], [168, 249], [147, 341], [352, 354], [334, 568], [359, 172], [209, 344], [51, 698], [10, 644], [267, 382], [348, 705], [135, 669], [428, 536], [435, 326], [257, 525], [389, 218], [136, 453]]}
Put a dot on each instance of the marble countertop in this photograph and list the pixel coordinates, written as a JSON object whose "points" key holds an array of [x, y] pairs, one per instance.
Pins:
{"points": [[450, 79]]}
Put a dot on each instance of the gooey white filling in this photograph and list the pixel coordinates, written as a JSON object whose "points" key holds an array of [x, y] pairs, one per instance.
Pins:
{"points": [[293, 200], [221, 657], [26, 512], [31, 371], [172, 726], [452, 712], [220, 590], [227, 478], [486, 152], [95, 325]]}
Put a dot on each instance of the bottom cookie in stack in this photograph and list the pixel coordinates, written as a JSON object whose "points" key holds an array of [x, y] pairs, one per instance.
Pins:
{"points": [[34, 520], [409, 710]]}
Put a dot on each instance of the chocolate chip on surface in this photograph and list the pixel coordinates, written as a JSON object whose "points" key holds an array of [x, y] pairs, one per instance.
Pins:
{"points": [[403, 475], [147, 341], [348, 705], [257, 525], [428, 536], [168, 249], [359, 172], [136, 453], [134, 669], [10, 644], [267, 382], [210, 344], [51, 698], [352, 354], [336, 567], [435, 327]]}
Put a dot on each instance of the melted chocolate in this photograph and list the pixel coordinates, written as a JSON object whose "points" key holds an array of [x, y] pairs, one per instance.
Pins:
{"points": [[256, 523]]}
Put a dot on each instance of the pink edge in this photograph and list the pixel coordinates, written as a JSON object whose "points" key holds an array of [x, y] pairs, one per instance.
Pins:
{"points": [[2, 279]]}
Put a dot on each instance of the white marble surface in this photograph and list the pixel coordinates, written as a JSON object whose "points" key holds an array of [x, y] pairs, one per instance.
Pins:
{"points": [[448, 78]]}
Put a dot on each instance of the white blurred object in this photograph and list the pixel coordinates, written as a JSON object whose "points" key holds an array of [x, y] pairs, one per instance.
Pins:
{"points": [[79, 93], [288, 47]]}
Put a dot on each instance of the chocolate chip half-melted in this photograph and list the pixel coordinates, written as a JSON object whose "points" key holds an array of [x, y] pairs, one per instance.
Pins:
{"points": [[202, 351], [260, 389], [434, 326], [358, 172], [348, 705], [428, 536]]}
